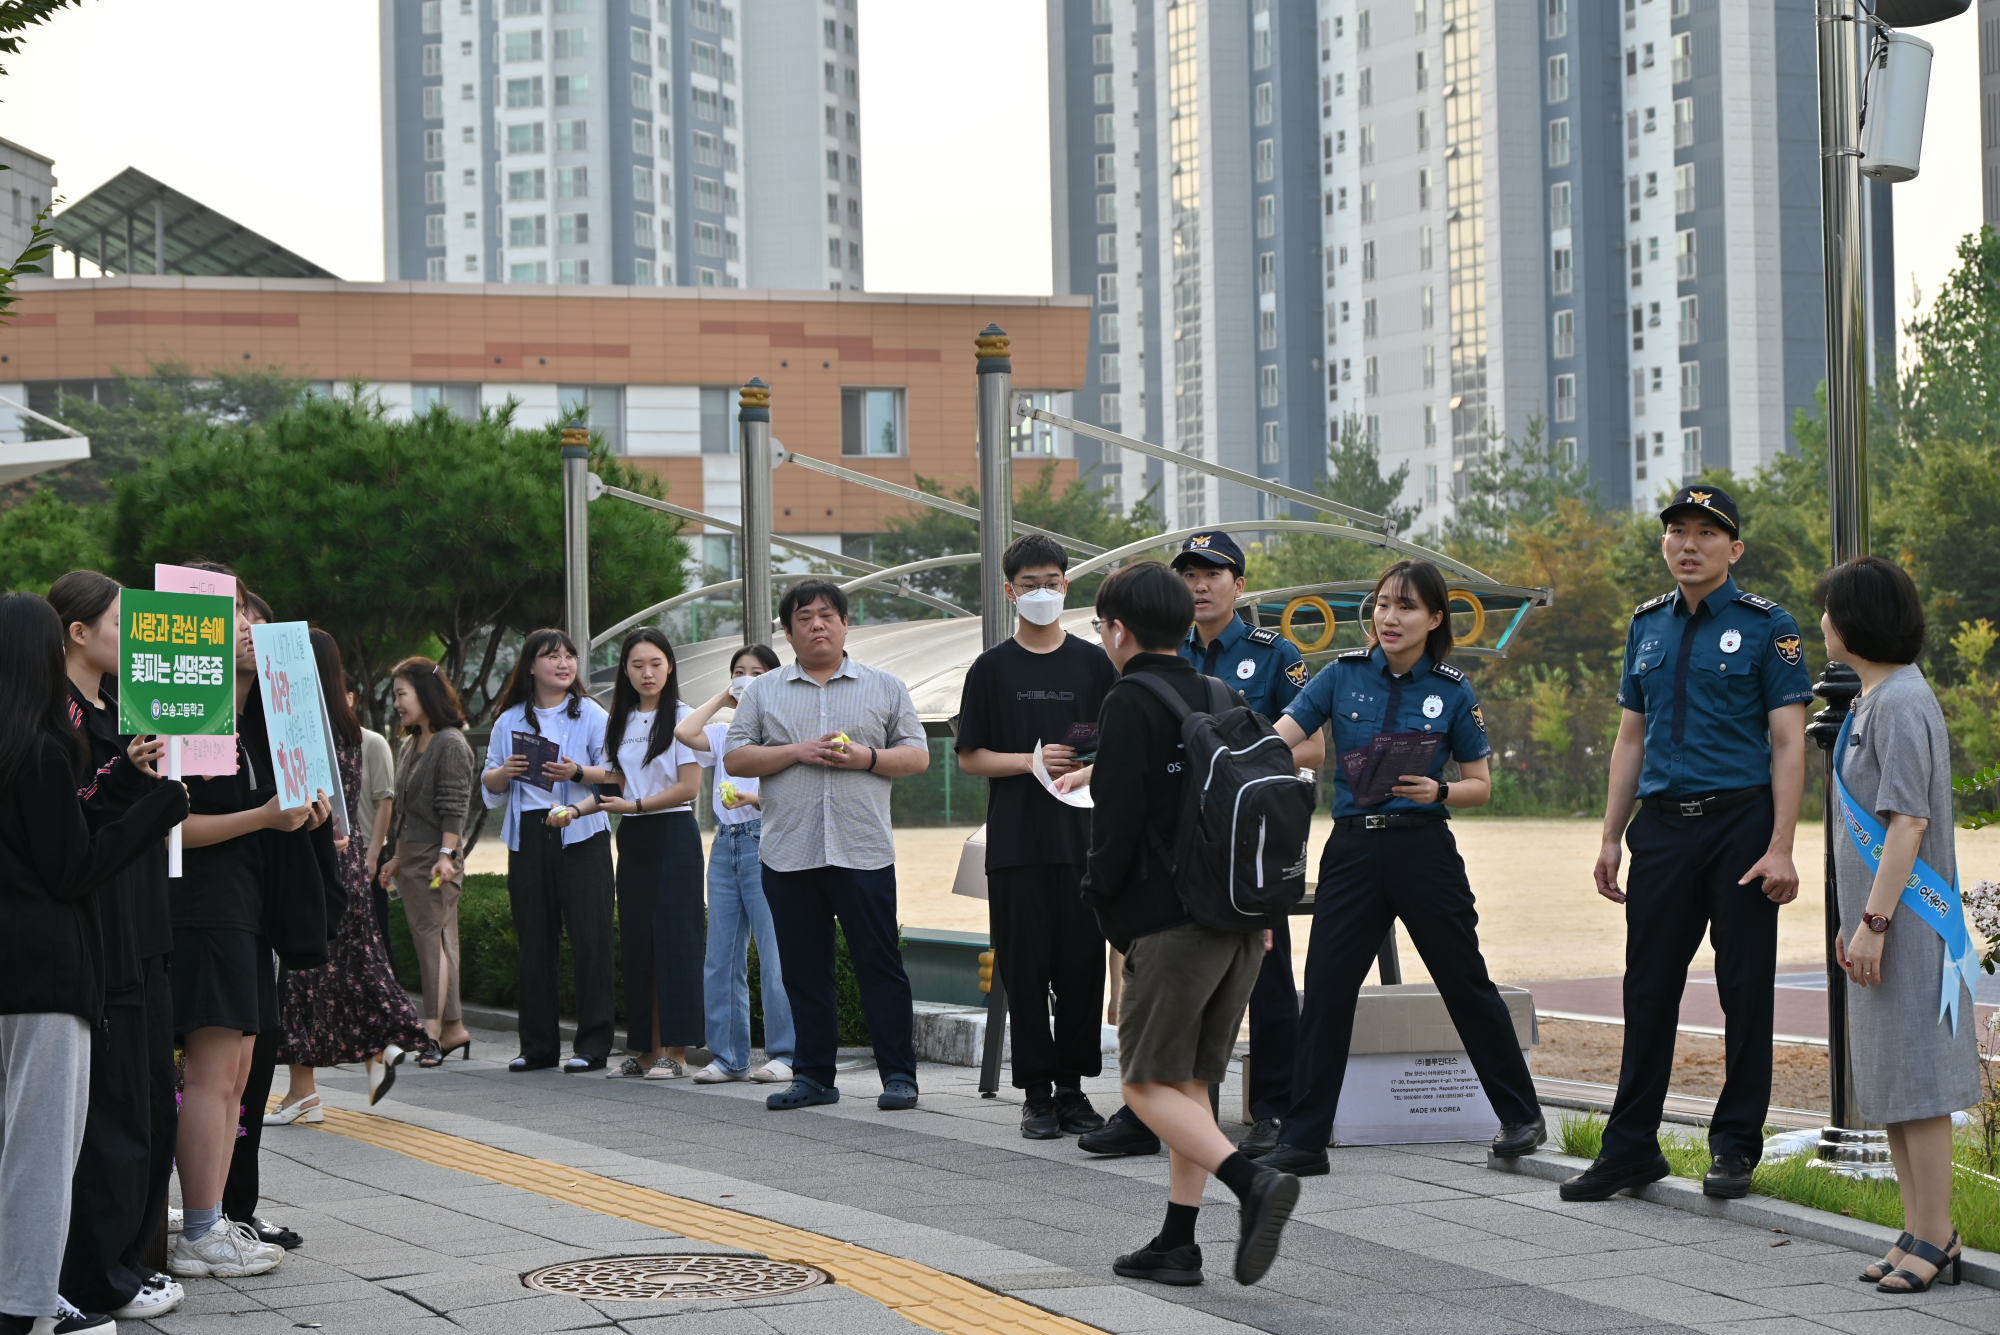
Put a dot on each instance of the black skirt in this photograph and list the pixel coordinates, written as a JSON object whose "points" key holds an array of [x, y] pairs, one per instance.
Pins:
{"points": [[222, 978], [662, 928]]}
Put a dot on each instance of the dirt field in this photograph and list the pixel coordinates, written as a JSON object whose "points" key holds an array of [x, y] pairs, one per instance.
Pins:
{"points": [[1571, 1051]]}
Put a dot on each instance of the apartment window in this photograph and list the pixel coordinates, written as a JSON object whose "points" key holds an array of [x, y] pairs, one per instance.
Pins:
{"points": [[1107, 169], [1107, 128], [1680, 9], [1267, 159], [1652, 119], [433, 60], [1367, 260], [1424, 251], [1107, 247], [704, 58], [515, 9], [572, 90], [1563, 269], [1267, 447], [530, 229], [830, 33], [572, 44], [534, 271], [853, 211], [433, 17], [1565, 339], [1107, 210], [1631, 134], [1368, 201], [1683, 57], [434, 269], [528, 185], [1690, 321], [1267, 215], [1100, 49], [1364, 145], [1559, 142], [1268, 386], [572, 272], [642, 183], [708, 239], [1109, 414], [572, 183], [1426, 307], [571, 136], [1267, 329], [1107, 328], [1559, 195], [1684, 201], [644, 273], [1260, 49], [1101, 89], [833, 208], [1326, 97], [1107, 289], [1431, 438], [708, 152], [1690, 387], [1683, 122], [871, 422], [642, 139], [1371, 375], [1638, 261], [1423, 129], [433, 103], [1423, 70], [642, 46], [1364, 87], [1691, 452], [644, 235], [1565, 398], [1430, 470], [1363, 30], [434, 145], [572, 229], [1430, 378], [1368, 323], [524, 92], [1263, 104], [433, 229], [832, 159], [1684, 255], [1423, 187], [1557, 23], [1267, 272], [853, 170], [704, 103], [833, 252], [708, 194], [1558, 78], [433, 192], [1107, 368]]}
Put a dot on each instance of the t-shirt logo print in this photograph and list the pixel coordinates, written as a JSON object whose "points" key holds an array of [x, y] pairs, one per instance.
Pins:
{"points": [[1788, 648]]}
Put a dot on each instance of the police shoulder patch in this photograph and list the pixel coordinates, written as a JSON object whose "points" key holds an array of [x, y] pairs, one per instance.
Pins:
{"points": [[1652, 603], [1789, 647], [1362, 652], [1296, 674], [1479, 718], [1761, 604], [1263, 635], [1447, 671]]}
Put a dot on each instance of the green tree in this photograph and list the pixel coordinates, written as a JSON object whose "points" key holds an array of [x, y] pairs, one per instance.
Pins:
{"points": [[434, 535], [46, 536], [16, 17], [1354, 477], [1952, 387]]}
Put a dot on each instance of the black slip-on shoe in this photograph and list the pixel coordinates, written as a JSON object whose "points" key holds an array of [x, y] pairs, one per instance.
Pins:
{"points": [[1263, 1138], [1606, 1178], [277, 1235], [899, 1094], [1120, 1136], [1075, 1115], [1180, 1265], [578, 1065], [1729, 1176], [520, 1064], [1038, 1121], [1519, 1138], [1265, 1205], [1296, 1160], [802, 1093]]}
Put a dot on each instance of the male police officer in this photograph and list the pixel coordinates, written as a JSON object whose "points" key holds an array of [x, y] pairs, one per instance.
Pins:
{"points": [[1269, 671], [1712, 746]]}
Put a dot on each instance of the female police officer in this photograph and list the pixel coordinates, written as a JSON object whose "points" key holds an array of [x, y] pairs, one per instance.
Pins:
{"points": [[1395, 860]]}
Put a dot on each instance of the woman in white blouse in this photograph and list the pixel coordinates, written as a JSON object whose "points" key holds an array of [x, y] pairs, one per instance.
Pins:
{"points": [[659, 861]]}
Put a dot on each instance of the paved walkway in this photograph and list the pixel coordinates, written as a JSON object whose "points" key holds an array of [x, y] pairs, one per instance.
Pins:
{"points": [[425, 1215]]}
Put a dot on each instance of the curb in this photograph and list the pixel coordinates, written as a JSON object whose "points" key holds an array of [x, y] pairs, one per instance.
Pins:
{"points": [[1798, 1221]]}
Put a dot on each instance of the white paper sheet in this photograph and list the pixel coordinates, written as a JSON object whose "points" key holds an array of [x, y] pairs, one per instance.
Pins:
{"points": [[1080, 798]]}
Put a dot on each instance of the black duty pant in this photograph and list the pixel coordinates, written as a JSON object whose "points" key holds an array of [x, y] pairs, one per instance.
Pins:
{"points": [[804, 905], [1367, 880], [1045, 939], [1274, 1027], [120, 1184], [1682, 883], [662, 931], [239, 1192], [553, 888]]}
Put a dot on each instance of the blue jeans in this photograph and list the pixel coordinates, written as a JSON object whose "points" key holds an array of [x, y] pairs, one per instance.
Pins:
{"points": [[736, 908]]}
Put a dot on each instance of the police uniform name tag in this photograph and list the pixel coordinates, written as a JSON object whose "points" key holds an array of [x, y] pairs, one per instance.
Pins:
{"points": [[1433, 706], [1732, 640], [1246, 669]]}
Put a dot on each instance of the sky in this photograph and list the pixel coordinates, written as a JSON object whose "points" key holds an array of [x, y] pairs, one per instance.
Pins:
{"points": [[270, 112]]}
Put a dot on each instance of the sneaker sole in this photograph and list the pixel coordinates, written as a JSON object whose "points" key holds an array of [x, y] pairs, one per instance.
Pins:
{"points": [[1115, 1151], [816, 1102], [1726, 1193], [223, 1271], [1255, 1253], [147, 1313], [1178, 1278]]}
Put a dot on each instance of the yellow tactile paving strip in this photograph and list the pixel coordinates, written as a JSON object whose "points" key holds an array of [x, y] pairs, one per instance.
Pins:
{"points": [[930, 1298]]}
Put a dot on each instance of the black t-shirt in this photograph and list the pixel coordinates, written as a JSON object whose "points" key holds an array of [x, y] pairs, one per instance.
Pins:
{"points": [[136, 921], [1013, 699]]}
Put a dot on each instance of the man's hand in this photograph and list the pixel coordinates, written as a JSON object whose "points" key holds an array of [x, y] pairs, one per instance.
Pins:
{"points": [[1606, 871], [835, 751], [1781, 878], [1057, 759], [445, 868]]}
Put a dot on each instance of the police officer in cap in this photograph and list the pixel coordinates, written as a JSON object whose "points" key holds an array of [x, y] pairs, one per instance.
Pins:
{"points": [[1269, 671], [1712, 748]]}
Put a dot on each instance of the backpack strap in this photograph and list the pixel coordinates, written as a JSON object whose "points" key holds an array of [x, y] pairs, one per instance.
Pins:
{"points": [[1218, 696], [1167, 693]]}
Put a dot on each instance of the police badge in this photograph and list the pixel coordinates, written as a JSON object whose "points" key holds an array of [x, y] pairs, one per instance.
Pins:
{"points": [[1788, 648]]}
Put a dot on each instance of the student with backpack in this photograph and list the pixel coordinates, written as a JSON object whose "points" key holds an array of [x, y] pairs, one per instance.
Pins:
{"points": [[1391, 855], [1171, 893]]}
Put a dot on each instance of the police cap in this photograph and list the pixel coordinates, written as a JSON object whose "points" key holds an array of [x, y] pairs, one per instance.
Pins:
{"points": [[1213, 548], [1711, 501]]}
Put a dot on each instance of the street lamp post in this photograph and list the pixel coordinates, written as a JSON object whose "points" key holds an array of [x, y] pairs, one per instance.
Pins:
{"points": [[996, 526], [753, 417], [576, 540]]}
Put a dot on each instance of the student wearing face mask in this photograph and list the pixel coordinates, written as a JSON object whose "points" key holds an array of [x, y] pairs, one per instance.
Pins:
{"points": [[1042, 686]]}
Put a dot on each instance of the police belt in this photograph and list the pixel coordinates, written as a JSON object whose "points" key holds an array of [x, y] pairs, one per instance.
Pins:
{"points": [[1705, 804], [1394, 820]]}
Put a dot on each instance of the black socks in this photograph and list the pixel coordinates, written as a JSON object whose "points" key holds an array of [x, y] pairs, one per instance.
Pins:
{"points": [[1236, 1173], [1178, 1231], [1039, 1093]]}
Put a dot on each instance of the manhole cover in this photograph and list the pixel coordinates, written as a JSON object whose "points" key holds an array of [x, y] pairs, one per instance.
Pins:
{"points": [[654, 1278]]}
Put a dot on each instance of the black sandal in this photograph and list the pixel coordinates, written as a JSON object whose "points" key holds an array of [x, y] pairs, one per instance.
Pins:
{"points": [[1940, 1258], [1884, 1268], [431, 1056]]}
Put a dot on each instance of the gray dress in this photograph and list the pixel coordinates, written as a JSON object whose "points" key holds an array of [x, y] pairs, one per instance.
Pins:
{"points": [[1908, 1064]]}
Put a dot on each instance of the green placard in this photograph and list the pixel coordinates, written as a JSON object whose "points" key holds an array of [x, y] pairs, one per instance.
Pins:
{"points": [[176, 664]]}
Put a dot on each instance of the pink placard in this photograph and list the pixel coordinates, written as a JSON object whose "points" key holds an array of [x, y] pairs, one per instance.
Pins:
{"points": [[200, 755]]}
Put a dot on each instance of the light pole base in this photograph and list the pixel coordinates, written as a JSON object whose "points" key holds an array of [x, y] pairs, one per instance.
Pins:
{"points": [[1863, 1155]]}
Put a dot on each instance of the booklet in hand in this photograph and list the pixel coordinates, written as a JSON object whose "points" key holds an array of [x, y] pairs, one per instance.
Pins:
{"points": [[1373, 771], [541, 752]]}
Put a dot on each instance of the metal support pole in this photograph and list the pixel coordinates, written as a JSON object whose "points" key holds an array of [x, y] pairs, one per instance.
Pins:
{"points": [[996, 481], [1838, 686], [996, 1032], [576, 541], [159, 234], [753, 417]]}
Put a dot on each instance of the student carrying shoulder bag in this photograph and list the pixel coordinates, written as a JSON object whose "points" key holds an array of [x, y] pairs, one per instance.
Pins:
{"points": [[1240, 856]]}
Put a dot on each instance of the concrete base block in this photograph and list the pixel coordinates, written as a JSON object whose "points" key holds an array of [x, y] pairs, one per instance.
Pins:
{"points": [[956, 1035]]}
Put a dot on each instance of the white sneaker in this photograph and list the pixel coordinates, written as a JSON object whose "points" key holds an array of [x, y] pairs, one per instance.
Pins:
{"points": [[173, 1220], [772, 1073], [666, 1068], [228, 1251], [68, 1320], [160, 1295], [715, 1073]]}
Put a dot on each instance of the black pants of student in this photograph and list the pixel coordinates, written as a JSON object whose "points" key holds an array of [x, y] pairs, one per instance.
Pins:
{"points": [[1367, 880], [663, 932], [1682, 884], [240, 1190], [555, 888], [804, 905], [1045, 939], [119, 1189], [1274, 1027]]}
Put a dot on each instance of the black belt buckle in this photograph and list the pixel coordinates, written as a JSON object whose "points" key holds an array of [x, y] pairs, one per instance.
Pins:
{"points": [[1698, 807], [1374, 822]]}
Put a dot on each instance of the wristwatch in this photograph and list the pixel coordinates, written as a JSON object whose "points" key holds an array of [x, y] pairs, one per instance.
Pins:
{"points": [[1444, 790], [1875, 922]]}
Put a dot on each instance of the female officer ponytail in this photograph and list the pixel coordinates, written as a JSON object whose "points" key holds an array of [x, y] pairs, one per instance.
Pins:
{"points": [[1426, 583]]}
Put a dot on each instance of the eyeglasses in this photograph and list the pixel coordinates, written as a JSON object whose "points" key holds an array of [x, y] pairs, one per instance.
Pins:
{"points": [[1036, 582], [1096, 625]]}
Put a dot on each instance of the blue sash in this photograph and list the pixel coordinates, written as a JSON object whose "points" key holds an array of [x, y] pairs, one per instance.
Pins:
{"points": [[1925, 894]]}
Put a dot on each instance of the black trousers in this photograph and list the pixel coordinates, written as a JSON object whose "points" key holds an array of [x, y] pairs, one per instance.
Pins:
{"points": [[1274, 1027], [804, 905], [1367, 880], [1046, 940], [1682, 884], [663, 933], [120, 1186], [553, 888]]}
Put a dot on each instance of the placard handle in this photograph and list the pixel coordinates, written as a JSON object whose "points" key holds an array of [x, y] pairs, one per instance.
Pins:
{"points": [[174, 835]]}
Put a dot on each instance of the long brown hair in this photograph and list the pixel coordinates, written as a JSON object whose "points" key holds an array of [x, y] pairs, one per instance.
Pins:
{"points": [[436, 696], [1426, 581]]}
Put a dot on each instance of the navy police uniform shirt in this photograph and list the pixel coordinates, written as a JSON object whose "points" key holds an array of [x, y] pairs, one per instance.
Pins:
{"points": [[1706, 682], [1358, 693], [1256, 660]]}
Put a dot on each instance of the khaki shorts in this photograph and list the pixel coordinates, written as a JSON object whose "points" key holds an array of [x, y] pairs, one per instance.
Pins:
{"points": [[1185, 992]]}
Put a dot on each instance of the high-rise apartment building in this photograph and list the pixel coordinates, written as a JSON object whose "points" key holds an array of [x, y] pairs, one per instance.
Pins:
{"points": [[648, 142]]}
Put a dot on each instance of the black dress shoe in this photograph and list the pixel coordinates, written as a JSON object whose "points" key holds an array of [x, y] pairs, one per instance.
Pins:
{"points": [[1263, 1138], [1181, 1265], [277, 1235], [578, 1065], [1263, 1208], [1518, 1138], [1119, 1136], [1296, 1160], [1038, 1120], [520, 1064], [1729, 1176], [1606, 1178], [1075, 1115]]}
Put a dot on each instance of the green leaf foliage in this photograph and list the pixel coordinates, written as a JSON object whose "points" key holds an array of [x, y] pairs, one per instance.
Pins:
{"points": [[46, 536]]}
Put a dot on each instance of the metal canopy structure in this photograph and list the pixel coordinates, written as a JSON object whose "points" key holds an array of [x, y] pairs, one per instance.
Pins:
{"points": [[135, 224]]}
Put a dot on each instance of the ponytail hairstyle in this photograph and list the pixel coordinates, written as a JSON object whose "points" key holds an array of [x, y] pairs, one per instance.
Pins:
{"points": [[340, 715], [435, 694], [520, 688], [82, 596], [1426, 584], [34, 688], [625, 698]]}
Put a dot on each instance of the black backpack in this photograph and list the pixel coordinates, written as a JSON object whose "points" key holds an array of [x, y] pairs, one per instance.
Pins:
{"points": [[1241, 854]]}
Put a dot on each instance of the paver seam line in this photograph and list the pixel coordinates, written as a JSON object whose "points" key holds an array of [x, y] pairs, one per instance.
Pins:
{"points": [[925, 1296]]}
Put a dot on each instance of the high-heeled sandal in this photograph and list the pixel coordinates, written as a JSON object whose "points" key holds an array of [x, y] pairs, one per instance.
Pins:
{"points": [[1942, 1258], [433, 1055], [1883, 1268], [307, 1110]]}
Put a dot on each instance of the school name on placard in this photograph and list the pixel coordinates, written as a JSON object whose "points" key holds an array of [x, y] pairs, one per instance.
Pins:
{"points": [[180, 670]]}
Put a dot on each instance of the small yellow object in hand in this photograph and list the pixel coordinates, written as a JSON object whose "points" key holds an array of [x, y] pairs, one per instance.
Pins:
{"points": [[844, 740], [434, 882], [729, 798]]}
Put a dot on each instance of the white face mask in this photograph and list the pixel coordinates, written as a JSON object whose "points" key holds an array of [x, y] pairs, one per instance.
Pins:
{"points": [[1040, 606]]}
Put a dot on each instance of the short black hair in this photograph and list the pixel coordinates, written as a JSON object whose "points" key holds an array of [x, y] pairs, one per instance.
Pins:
{"points": [[808, 591], [1152, 601], [1426, 581], [1875, 607], [1035, 549]]}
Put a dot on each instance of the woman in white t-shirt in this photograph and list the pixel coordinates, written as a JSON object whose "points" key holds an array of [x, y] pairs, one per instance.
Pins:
{"points": [[659, 861], [736, 905]]}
